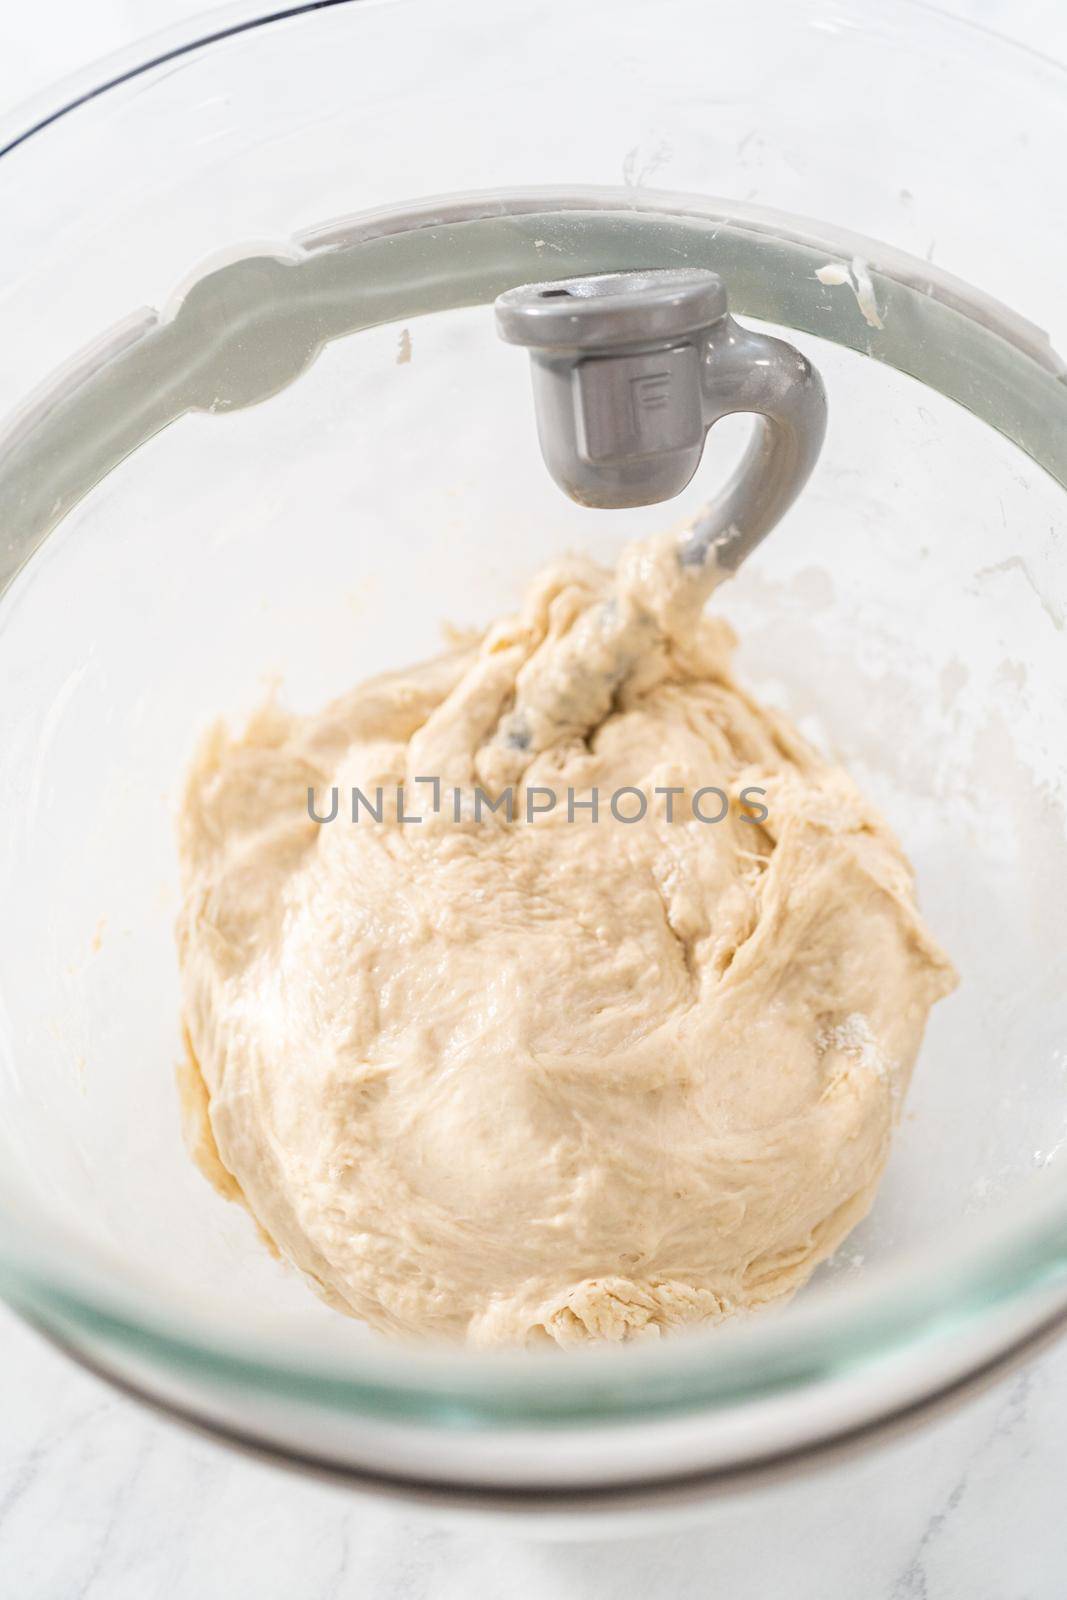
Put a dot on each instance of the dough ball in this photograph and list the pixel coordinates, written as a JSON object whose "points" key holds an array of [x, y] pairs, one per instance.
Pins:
{"points": [[547, 1079]]}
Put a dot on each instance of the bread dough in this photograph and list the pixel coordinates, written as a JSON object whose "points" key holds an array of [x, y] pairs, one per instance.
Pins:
{"points": [[565, 1080]]}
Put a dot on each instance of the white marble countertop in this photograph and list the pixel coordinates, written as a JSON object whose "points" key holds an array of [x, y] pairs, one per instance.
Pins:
{"points": [[103, 1501]]}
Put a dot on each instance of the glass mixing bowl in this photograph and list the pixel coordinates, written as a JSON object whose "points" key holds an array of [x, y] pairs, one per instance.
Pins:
{"points": [[257, 424]]}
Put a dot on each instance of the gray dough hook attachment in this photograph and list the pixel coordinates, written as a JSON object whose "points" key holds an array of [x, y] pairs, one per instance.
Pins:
{"points": [[631, 369]]}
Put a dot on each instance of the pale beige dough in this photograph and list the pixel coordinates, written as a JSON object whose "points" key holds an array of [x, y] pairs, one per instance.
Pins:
{"points": [[548, 1080]]}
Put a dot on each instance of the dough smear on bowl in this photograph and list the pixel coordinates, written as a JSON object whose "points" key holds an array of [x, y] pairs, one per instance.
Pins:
{"points": [[557, 1079]]}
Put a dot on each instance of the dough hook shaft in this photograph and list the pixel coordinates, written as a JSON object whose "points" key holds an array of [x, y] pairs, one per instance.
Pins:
{"points": [[631, 369]]}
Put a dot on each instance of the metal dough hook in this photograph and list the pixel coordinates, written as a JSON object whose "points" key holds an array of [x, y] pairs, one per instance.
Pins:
{"points": [[631, 369]]}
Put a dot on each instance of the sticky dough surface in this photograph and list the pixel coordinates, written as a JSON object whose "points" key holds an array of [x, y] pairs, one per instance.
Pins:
{"points": [[509, 1082]]}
